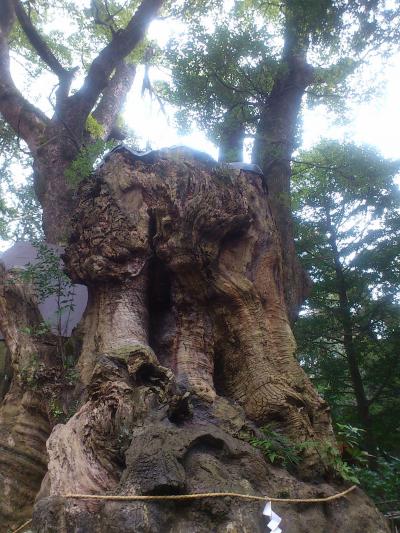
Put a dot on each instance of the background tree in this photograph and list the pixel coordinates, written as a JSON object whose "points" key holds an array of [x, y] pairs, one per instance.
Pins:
{"points": [[347, 211], [20, 214]]}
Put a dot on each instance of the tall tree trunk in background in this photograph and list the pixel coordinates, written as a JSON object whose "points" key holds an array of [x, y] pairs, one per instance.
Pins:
{"points": [[231, 138], [273, 148], [186, 351], [363, 405]]}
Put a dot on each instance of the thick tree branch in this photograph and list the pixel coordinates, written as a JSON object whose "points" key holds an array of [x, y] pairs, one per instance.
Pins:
{"points": [[36, 40], [26, 120], [114, 96], [122, 43], [45, 53]]}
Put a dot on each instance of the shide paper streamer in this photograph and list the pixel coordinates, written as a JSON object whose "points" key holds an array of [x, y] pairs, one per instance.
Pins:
{"points": [[275, 519]]}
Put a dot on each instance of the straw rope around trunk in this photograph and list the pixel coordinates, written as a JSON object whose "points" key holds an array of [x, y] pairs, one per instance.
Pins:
{"points": [[171, 497], [138, 497]]}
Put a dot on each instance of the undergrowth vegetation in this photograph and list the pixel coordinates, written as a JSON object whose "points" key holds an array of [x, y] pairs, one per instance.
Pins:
{"points": [[378, 475]]}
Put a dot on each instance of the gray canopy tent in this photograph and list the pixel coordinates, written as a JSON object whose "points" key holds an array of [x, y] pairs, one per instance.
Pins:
{"points": [[22, 253], [18, 256]]}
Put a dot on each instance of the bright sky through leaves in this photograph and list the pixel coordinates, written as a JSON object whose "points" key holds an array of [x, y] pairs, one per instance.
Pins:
{"points": [[374, 122]]}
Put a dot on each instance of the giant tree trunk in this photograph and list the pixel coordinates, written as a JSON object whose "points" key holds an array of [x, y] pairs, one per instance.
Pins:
{"points": [[187, 350]]}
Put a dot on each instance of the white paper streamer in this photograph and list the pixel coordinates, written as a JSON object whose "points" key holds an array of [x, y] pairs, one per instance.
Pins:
{"points": [[267, 509], [275, 519]]}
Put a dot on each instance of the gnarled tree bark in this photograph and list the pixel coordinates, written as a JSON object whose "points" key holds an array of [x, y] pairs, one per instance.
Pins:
{"points": [[25, 421], [187, 350]]}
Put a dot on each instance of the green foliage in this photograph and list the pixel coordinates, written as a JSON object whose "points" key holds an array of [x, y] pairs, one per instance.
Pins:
{"points": [[7, 214], [349, 440], [46, 274], [88, 30], [95, 129], [383, 482], [49, 279], [82, 166], [26, 222], [349, 435], [217, 71], [56, 410], [42, 329], [139, 53], [348, 219], [277, 447], [332, 459], [71, 376], [30, 372], [231, 54], [20, 214]]}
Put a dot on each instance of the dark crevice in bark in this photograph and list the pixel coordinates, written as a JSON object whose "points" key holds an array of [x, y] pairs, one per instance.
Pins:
{"points": [[6, 371], [162, 315], [218, 377]]}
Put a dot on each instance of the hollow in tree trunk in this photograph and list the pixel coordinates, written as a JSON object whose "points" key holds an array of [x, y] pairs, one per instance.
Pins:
{"points": [[186, 351]]}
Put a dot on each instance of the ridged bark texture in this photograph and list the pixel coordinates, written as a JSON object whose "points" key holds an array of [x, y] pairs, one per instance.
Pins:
{"points": [[24, 421], [187, 350]]}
